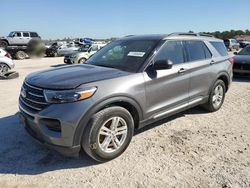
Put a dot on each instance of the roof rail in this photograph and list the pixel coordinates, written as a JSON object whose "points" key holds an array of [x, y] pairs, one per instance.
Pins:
{"points": [[191, 34], [205, 35]]}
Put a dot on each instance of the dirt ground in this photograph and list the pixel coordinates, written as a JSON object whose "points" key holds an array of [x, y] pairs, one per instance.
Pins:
{"points": [[191, 149]]}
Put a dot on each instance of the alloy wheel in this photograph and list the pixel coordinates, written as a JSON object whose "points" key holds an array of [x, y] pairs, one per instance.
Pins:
{"points": [[112, 134]]}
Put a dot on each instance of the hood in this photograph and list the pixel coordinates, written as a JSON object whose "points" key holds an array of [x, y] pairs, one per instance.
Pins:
{"points": [[242, 59], [70, 77]]}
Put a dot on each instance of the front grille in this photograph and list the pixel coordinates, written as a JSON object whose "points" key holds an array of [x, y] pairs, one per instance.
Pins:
{"points": [[32, 98], [241, 66]]}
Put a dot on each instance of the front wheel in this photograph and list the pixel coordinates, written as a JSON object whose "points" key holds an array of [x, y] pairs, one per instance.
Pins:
{"points": [[216, 97], [3, 69], [108, 134], [82, 60]]}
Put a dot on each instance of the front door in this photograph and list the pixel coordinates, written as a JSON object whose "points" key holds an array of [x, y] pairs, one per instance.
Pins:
{"points": [[166, 90]]}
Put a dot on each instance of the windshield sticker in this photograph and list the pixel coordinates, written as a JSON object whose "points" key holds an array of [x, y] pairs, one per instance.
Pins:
{"points": [[136, 54]]}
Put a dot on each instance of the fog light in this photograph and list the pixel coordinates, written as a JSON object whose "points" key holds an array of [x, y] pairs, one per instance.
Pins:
{"points": [[52, 124]]}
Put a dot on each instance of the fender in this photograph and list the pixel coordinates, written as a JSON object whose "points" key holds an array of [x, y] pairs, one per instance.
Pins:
{"points": [[95, 108], [222, 73]]}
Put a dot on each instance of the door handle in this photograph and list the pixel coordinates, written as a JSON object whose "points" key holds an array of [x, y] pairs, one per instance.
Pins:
{"points": [[212, 62], [182, 70]]}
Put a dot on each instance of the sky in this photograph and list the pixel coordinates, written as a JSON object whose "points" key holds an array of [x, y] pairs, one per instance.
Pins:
{"points": [[54, 19]]}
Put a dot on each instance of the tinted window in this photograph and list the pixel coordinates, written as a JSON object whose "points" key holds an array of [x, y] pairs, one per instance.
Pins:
{"points": [[245, 51], [197, 50], [220, 47], [171, 50], [17, 34], [32, 34], [26, 35], [207, 52]]}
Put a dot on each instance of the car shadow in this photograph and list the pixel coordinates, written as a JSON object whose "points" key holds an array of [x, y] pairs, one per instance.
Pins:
{"points": [[238, 78], [21, 154]]}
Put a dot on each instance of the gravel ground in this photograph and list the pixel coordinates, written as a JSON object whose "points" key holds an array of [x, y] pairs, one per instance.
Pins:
{"points": [[191, 149]]}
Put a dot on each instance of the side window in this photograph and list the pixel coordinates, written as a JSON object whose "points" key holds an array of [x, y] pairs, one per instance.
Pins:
{"points": [[197, 50], [94, 48], [171, 50], [25, 34], [220, 47], [207, 51], [17, 34], [33, 34]]}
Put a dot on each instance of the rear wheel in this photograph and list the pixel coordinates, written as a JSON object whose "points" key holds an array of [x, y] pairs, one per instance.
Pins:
{"points": [[108, 134], [216, 97], [3, 69]]}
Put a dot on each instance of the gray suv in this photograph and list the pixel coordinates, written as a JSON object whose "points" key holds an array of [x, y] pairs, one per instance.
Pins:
{"points": [[18, 38], [130, 83]]}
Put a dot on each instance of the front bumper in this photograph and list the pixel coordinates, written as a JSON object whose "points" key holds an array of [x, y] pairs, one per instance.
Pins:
{"points": [[69, 60], [34, 132], [69, 116]]}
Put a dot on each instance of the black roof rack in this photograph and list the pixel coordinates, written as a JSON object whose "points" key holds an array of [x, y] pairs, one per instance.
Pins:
{"points": [[190, 34]]}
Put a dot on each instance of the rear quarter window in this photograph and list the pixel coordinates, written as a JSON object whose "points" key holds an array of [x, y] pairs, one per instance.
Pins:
{"points": [[33, 34], [220, 47]]}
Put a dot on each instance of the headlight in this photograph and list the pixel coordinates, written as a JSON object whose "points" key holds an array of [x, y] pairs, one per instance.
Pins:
{"points": [[73, 55], [66, 96]]}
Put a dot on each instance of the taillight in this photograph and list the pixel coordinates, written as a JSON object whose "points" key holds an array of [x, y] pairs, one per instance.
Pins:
{"points": [[231, 60], [8, 55]]}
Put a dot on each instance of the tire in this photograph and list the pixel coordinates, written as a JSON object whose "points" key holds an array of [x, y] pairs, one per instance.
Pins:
{"points": [[20, 55], [3, 69], [3, 44], [94, 139], [82, 60], [216, 97]]}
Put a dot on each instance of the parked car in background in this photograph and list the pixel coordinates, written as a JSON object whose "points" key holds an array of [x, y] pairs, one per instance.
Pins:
{"points": [[242, 62], [6, 62], [18, 38], [231, 44], [244, 43], [51, 51], [83, 53], [66, 49], [129, 83]]}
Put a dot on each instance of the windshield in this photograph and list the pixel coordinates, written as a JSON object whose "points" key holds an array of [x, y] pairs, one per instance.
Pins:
{"points": [[127, 55], [245, 51], [11, 34], [84, 48]]}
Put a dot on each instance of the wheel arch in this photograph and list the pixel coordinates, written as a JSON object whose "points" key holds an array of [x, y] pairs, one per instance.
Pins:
{"points": [[128, 103], [5, 40], [225, 78]]}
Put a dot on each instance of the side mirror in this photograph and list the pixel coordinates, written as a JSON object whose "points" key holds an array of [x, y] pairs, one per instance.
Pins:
{"points": [[163, 64], [235, 53]]}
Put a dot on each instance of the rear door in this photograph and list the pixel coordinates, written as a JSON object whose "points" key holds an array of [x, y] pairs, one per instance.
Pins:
{"points": [[26, 38], [199, 63], [166, 90]]}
